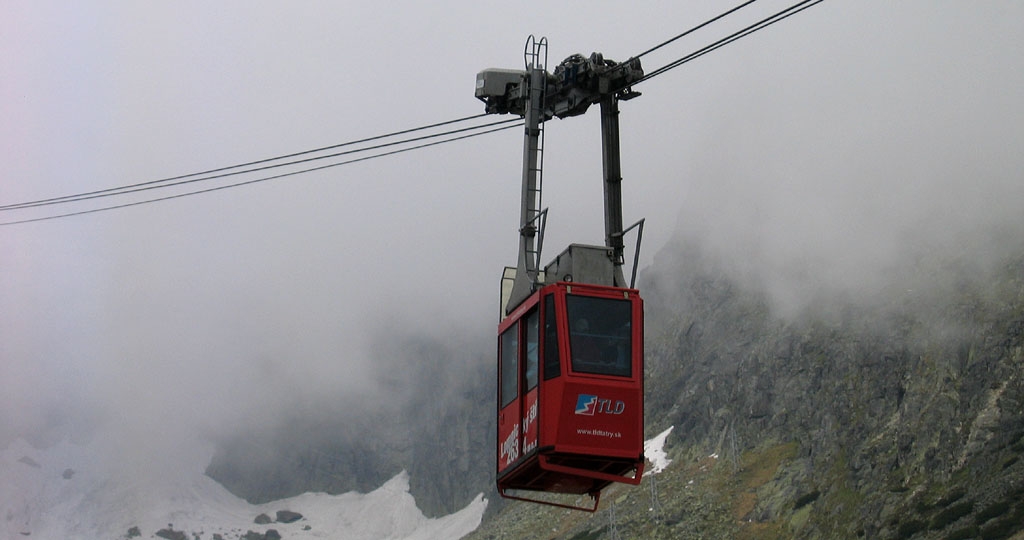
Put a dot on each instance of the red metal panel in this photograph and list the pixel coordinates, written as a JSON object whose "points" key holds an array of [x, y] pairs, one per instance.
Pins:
{"points": [[602, 415], [600, 418], [529, 422], [551, 395], [517, 421], [576, 432], [508, 436]]}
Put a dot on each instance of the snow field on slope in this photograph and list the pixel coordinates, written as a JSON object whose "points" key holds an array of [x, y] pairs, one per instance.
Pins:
{"points": [[105, 495]]}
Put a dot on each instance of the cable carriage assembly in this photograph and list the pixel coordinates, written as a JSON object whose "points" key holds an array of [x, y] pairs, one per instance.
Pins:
{"points": [[570, 339]]}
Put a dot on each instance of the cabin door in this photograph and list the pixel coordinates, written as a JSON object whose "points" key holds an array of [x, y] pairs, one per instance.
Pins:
{"points": [[517, 400], [509, 404]]}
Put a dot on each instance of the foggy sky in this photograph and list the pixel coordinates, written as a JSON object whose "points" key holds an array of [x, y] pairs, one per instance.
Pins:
{"points": [[815, 154]]}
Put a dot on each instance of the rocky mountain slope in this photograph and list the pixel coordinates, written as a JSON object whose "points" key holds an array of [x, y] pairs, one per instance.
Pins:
{"points": [[897, 414], [434, 421]]}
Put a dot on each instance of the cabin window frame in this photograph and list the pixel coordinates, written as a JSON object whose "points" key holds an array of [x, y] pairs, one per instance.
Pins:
{"points": [[600, 335], [508, 370], [531, 351], [552, 354]]}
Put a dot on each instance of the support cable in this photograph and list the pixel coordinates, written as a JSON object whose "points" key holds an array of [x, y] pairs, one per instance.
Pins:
{"points": [[126, 188], [263, 179], [760, 25], [695, 28], [146, 186], [265, 164]]}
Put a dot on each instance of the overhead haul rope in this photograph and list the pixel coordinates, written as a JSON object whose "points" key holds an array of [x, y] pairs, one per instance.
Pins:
{"points": [[695, 28], [146, 186], [274, 177], [760, 25], [209, 174], [117, 190]]}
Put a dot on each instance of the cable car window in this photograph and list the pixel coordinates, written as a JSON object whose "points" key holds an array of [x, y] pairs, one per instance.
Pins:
{"points": [[509, 365], [599, 335], [551, 368], [532, 345]]}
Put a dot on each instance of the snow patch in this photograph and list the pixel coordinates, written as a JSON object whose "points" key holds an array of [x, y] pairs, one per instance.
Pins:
{"points": [[654, 450], [104, 498]]}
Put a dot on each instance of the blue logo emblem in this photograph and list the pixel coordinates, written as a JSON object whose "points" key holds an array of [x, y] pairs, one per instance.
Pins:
{"points": [[586, 404], [590, 405]]}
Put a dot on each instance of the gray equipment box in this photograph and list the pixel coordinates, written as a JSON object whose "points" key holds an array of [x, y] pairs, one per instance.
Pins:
{"points": [[582, 263]]}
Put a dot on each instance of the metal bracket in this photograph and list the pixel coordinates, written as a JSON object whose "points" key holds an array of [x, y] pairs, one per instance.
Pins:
{"points": [[542, 224], [545, 463], [636, 251], [595, 496]]}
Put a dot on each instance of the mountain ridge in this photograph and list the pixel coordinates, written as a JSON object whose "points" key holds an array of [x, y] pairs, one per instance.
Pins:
{"points": [[896, 414]]}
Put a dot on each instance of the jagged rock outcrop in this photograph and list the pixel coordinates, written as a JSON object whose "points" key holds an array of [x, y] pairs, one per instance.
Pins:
{"points": [[894, 416], [30, 462], [270, 534], [287, 516], [436, 423], [171, 534], [890, 403]]}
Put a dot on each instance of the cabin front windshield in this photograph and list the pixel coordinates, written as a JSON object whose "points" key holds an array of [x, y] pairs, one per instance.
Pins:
{"points": [[599, 335]]}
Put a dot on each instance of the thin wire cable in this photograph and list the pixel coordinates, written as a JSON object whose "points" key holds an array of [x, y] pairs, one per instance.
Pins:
{"points": [[149, 185], [760, 25], [695, 28], [257, 180], [170, 182], [88, 194]]}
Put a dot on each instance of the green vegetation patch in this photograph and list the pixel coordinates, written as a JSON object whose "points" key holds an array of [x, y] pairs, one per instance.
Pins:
{"points": [[992, 511], [590, 535], [762, 531], [964, 533], [951, 514], [806, 499], [800, 518], [951, 497], [910, 528], [760, 467], [1000, 529], [925, 503], [1014, 520]]}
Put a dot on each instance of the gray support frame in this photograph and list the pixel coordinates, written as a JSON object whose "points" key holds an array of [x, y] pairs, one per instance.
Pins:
{"points": [[612, 184], [576, 83], [530, 216]]}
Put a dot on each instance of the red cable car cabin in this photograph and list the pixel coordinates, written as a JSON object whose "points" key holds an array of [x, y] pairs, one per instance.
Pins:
{"points": [[570, 352], [570, 391]]}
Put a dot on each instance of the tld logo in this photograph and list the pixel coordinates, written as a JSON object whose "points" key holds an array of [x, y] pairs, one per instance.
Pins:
{"points": [[589, 405]]}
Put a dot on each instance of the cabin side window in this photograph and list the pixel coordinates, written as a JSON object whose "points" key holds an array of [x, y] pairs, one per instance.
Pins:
{"points": [[551, 356], [600, 339], [509, 368], [532, 348]]}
